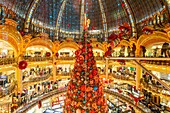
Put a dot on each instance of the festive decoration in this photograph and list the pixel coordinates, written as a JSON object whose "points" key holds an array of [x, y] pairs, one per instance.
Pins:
{"points": [[97, 45], [48, 54], [57, 54], [147, 30], [85, 94], [122, 62], [93, 28], [108, 53], [22, 64], [39, 104], [114, 39], [68, 25]]}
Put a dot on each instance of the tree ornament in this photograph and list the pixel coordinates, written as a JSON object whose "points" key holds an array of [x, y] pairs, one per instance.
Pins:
{"points": [[95, 88], [83, 88], [90, 54], [88, 104], [90, 49], [89, 95], [94, 72], [77, 52], [92, 111], [90, 76]]}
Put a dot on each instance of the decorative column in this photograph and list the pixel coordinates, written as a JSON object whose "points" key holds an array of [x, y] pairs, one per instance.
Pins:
{"points": [[54, 68], [107, 65], [138, 76], [138, 51], [19, 76]]}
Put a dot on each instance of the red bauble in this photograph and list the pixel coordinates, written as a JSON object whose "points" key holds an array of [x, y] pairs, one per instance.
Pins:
{"points": [[90, 76], [123, 5], [83, 49], [83, 88], [72, 86], [68, 25], [81, 57], [88, 63], [86, 57], [94, 72], [88, 104], [90, 49], [89, 95], [93, 62], [22, 64], [88, 45], [48, 54], [77, 53], [82, 94], [99, 101], [92, 111], [22, 33], [90, 54]]}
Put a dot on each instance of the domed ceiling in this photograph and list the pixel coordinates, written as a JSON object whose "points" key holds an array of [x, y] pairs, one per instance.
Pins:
{"points": [[65, 15]]}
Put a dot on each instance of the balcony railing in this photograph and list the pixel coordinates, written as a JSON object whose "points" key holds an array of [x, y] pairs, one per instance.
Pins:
{"points": [[66, 58], [156, 62], [38, 79], [123, 77], [5, 61], [73, 58], [34, 59]]}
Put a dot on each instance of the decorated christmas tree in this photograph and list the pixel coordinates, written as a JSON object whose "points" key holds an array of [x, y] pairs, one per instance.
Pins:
{"points": [[85, 92]]}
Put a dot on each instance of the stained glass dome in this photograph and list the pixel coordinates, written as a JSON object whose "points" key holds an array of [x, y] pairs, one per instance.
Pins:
{"points": [[65, 16]]}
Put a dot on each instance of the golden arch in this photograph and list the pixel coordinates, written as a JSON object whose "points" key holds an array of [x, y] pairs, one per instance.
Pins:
{"points": [[66, 44], [10, 35], [124, 43], [42, 42], [147, 40], [11, 44]]}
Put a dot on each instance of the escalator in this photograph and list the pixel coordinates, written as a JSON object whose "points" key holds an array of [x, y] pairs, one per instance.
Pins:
{"points": [[155, 77], [143, 58]]}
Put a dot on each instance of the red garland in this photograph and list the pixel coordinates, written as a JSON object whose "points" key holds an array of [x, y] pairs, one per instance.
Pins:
{"points": [[22, 64], [48, 54]]}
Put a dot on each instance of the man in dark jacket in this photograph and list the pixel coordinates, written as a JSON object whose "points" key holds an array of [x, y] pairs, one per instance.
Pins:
{"points": [[164, 49]]}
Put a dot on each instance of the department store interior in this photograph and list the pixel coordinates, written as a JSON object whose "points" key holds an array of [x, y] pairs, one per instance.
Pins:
{"points": [[84, 56]]}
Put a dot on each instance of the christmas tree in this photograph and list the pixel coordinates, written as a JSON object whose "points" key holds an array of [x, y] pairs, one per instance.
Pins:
{"points": [[85, 92]]}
